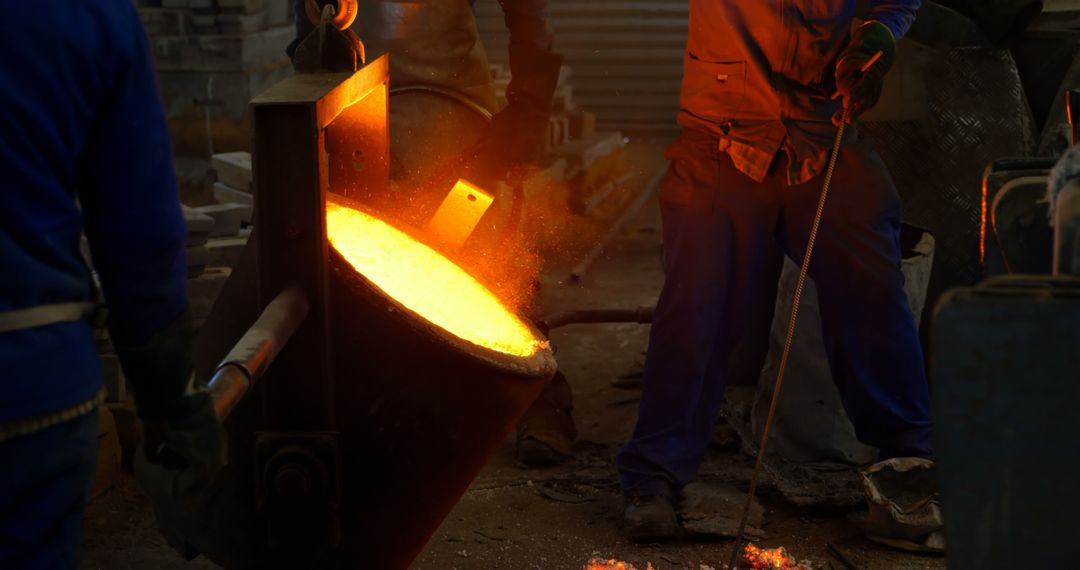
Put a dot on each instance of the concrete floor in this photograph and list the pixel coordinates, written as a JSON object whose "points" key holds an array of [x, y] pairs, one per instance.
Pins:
{"points": [[559, 518]]}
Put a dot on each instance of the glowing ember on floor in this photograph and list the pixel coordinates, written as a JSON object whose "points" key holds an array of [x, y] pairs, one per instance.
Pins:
{"points": [[770, 558], [596, 564], [423, 280]]}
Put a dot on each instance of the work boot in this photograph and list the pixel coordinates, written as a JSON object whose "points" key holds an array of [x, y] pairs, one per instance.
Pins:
{"points": [[903, 497], [546, 433], [650, 518]]}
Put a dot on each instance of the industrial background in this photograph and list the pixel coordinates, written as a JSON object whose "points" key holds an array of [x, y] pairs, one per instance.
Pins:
{"points": [[988, 79]]}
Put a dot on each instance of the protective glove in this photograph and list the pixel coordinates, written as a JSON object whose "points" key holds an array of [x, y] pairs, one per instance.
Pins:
{"points": [[515, 133], [861, 89], [184, 443]]}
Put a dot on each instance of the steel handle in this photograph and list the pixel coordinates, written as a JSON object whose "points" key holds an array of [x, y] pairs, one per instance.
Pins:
{"points": [[256, 350]]}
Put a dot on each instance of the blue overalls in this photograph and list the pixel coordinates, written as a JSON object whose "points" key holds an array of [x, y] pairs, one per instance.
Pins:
{"points": [[83, 147], [743, 184]]}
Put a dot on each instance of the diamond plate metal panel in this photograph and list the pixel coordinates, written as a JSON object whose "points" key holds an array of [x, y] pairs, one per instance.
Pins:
{"points": [[976, 113]]}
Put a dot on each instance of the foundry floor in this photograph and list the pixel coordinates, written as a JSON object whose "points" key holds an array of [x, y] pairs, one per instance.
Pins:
{"points": [[557, 518]]}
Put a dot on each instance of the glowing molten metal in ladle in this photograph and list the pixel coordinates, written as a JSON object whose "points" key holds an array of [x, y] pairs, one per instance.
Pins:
{"points": [[425, 282]]}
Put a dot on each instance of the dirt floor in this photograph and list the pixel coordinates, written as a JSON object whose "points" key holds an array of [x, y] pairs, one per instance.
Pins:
{"points": [[559, 518]]}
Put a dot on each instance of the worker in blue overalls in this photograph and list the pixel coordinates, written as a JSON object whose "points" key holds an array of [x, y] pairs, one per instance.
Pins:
{"points": [[436, 43], [759, 117], [84, 148]]}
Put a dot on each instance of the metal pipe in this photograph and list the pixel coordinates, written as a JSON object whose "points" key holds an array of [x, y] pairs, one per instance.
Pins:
{"points": [[641, 315], [256, 350]]}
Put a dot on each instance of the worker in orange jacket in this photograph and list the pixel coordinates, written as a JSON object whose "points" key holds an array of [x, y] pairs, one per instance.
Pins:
{"points": [[759, 117]]}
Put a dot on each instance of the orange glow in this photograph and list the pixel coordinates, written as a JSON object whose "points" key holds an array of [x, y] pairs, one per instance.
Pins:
{"points": [[770, 558], [427, 283], [596, 564]]}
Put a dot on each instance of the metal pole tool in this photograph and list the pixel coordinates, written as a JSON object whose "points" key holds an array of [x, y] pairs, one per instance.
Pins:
{"points": [[833, 156]]}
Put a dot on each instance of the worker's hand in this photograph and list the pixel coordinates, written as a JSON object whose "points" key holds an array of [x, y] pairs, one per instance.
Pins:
{"points": [[858, 80], [183, 452], [184, 442], [515, 133]]}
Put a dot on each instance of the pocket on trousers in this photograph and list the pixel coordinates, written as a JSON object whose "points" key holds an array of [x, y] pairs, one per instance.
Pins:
{"points": [[690, 181], [713, 90]]}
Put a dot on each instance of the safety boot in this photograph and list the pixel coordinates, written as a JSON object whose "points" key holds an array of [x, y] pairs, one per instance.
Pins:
{"points": [[546, 433], [650, 518]]}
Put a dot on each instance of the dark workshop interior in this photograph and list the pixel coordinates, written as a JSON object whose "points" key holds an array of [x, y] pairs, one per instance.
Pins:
{"points": [[540, 284]]}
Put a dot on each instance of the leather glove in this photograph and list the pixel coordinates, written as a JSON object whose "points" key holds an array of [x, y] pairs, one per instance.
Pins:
{"points": [[861, 89], [515, 133], [184, 443]]}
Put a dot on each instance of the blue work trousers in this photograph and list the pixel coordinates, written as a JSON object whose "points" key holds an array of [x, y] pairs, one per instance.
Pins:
{"points": [[723, 233], [45, 480]]}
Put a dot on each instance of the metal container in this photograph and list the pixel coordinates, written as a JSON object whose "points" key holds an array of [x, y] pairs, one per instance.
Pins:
{"points": [[371, 422], [419, 410], [1005, 362]]}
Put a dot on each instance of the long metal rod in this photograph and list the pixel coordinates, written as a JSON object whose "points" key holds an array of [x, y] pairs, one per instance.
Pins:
{"points": [[256, 350], [640, 315], [787, 343]]}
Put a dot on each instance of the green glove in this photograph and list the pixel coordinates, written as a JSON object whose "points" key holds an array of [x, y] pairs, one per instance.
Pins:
{"points": [[182, 433], [515, 133], [861, 89]]}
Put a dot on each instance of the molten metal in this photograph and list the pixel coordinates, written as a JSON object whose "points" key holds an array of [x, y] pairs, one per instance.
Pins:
{"points": [[770, 558], [425, 282]]}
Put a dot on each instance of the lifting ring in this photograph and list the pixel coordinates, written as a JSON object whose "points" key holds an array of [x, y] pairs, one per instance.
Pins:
{"points": [[342, 18]]}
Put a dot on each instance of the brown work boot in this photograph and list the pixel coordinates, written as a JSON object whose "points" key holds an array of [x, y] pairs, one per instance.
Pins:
{"points": [[546, 433], [650, 518]]}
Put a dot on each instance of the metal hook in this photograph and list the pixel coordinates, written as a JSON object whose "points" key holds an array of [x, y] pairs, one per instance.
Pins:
{"points": [[343, 17]]}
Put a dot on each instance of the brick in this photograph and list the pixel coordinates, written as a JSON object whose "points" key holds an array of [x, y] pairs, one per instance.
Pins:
{"points": [[241, 23], [582, 124], [538, 185], [225, 194], [565, 73], [245, 6], [225, 252], [557, 134], [198, 226], [228, 218], [204, 290], [188, 97], [582, 153], [196, 257], [563, 133], [204, 22], [563, 99], [233, 169], [222, 52], [278, 12], [165, 21]]}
